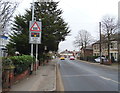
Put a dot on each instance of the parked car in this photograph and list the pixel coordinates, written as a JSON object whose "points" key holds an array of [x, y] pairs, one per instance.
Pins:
{"points": [[62, 58], [98, 59], [116, 60], [72, 58]]}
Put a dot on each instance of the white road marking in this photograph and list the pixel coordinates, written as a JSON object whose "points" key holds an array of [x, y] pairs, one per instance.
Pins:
{"points": [[104, 78], [79, 75], [109, 79]]}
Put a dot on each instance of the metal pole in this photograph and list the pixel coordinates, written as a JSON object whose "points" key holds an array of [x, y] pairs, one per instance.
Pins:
{"points": [[100, 41], [32, 20], [36, 44], [31, 49], [36, 57], [32, 44], [33, 11]]}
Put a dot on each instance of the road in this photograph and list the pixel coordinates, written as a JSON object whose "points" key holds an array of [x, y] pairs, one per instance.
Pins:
{"points": [[81, 76]]}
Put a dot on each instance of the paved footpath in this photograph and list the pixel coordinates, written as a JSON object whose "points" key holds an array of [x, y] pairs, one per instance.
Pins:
{"points": [[43, 80]]}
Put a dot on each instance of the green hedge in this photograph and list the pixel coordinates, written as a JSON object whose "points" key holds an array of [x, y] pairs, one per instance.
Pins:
{"points": [[7, 63], [21, 63]]}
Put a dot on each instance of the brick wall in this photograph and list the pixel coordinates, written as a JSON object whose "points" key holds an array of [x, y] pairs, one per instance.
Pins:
{"points": [[21, 76]]}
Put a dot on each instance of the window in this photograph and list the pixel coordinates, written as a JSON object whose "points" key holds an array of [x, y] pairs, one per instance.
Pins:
{"points": [[94, 54], [95, 47], [115, 45], [115, 56], [111, 54], [111, 45]]}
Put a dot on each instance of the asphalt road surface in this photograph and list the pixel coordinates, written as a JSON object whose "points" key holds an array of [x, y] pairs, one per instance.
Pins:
{"points": [[82, 76]]}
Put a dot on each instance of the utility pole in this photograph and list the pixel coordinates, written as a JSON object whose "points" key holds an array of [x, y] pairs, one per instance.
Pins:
{"points": [[118, 33], [100, 42]]}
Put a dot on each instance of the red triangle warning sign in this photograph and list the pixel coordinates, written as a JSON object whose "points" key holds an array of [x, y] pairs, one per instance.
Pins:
{"points": [[35, 27]]}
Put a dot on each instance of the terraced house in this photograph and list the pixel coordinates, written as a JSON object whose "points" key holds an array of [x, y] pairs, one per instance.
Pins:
{"points": [[104, 49]]}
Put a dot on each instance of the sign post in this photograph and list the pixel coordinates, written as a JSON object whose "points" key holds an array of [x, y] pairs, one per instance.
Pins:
{"points": [[35, 32], [34, 36]]}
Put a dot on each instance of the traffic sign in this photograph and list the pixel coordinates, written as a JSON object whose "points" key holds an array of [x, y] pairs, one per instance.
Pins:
{"points": [[35, 38], [35, 27], [35, 32]]}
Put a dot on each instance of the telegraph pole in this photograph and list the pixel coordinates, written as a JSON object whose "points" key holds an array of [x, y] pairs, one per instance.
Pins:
{"points": [[100, 41], [118, 34]]}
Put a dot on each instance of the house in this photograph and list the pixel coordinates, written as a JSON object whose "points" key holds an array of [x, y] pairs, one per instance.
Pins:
{"points": [[96, 48], [76, 54], [104, 49], [88, 51], [67, 53]]}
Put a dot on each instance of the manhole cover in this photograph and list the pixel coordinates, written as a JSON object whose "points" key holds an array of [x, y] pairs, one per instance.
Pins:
{"points": [[44, 75]]}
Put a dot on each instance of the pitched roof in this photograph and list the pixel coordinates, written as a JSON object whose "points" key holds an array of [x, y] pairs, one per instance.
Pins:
{"points": [[88, 47]]}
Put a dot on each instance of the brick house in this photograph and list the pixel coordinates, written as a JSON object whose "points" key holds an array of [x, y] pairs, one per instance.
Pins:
{"points": [[67, 53], [88, 51], [104, 49]]}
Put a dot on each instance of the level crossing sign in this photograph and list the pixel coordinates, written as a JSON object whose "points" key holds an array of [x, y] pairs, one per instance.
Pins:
{"points": [[35, 29]]}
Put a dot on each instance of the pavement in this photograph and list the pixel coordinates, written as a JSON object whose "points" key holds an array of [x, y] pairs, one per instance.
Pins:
{"points": [[43, 80]]}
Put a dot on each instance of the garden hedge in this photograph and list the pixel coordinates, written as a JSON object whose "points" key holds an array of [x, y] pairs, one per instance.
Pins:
{"points": [[21, 63]]}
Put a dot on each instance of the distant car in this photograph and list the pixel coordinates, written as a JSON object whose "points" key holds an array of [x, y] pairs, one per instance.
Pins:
{"points": [[98, 59], [72, 58], [62, 58]]}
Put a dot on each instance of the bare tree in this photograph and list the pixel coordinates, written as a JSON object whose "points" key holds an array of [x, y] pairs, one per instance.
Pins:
{"points": [[82, 39], [109, 27], [7, 9]]}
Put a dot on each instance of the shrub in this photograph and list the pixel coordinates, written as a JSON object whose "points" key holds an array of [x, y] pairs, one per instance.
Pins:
{"points": [[7, 63], [22, 63]]}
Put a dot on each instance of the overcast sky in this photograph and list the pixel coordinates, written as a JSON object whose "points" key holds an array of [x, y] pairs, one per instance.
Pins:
{"points": [[80, 14]]}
